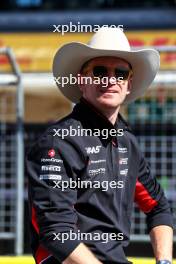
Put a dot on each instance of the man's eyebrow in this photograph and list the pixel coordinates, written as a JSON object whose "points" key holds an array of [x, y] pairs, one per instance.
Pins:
{"points": [[124, 66], [130, 66]]}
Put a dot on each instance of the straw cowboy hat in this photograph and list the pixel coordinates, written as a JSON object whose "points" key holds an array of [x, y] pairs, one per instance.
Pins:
{"points": [[106, 42]]}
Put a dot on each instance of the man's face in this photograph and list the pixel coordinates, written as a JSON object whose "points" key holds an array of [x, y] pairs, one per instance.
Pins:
{"points": [[112, 94]]}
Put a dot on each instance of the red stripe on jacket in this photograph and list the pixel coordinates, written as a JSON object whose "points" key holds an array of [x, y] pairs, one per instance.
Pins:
{"points": [[143, 198], [41, 253], [34, 220]]}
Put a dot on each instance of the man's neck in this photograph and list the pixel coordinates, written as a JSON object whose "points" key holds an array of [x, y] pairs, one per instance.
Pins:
{"points": [[111, 115]]}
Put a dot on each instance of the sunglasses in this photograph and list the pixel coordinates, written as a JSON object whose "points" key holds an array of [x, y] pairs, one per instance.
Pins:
{"points": [[102, 71]]}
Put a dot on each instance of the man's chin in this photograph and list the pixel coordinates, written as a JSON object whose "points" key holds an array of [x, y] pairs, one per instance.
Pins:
{"points": [[109, 102]]}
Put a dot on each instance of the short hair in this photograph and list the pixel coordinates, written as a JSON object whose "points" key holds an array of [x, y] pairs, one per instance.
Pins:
{"points": [[85, 65]]}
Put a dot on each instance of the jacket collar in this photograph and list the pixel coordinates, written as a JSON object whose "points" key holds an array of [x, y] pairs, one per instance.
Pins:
{"points": [[92, 118]]}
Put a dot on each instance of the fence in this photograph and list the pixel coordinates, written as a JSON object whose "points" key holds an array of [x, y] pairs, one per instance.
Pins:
{"points": [[11, 154], [154, 122]]}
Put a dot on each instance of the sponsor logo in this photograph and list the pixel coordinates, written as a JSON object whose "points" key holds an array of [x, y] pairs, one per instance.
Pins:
{"points": [[123, 161], [51, 168], [91, 150], [96, 161], [51, 160], [97, 171], [50, 177], [122, 150], [124, 172], [51, 153]]}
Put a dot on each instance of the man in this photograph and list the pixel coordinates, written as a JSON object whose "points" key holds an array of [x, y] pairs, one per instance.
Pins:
{"points": [[111, 165]]}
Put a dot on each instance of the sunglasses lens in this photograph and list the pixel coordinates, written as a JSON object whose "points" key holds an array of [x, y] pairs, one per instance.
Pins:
{"points": [[100, 71], [124, 73]]}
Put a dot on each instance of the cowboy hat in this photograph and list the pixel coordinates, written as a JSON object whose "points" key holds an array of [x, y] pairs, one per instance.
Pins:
{"points": [[107, 41]]}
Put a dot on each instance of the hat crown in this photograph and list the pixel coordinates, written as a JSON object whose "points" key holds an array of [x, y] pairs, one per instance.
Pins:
{"points": [[109, 39]]}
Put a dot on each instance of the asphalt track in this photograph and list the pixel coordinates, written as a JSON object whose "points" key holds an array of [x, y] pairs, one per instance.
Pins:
{"points": [[29, 260]]}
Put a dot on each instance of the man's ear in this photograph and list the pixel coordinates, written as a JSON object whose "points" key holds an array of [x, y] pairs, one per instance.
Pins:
{"points": [[80, 85]]}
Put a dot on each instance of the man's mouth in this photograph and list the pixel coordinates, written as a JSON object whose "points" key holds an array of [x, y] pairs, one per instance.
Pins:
{"points": [[108, 91]]}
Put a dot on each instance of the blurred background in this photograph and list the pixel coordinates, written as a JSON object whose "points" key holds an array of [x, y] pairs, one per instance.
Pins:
{"points": [[30, 101]]}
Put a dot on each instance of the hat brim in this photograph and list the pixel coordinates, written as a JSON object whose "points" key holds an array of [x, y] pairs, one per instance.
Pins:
{"points": [[70, 58]]}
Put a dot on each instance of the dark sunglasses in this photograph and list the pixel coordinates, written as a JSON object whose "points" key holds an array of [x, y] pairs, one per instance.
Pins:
{"points": [[102, 71]]}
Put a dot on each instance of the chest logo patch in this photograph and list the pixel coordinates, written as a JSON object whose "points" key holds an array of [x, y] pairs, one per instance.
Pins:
{"points": [[92, 150]]}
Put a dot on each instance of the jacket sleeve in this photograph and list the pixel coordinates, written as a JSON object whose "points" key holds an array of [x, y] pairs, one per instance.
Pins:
{"points": [[151, 199], [50, 163]]}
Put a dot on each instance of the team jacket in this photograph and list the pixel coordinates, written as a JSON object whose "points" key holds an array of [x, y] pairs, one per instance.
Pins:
{"points": [[102, 211]]}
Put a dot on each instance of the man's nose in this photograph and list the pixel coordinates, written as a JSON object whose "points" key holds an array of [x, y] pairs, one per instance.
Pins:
{"points": [[111, 77], [111, 73]]}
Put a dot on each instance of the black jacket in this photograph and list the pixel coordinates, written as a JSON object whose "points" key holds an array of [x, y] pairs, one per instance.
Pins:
{"points": [[93, 209]]}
